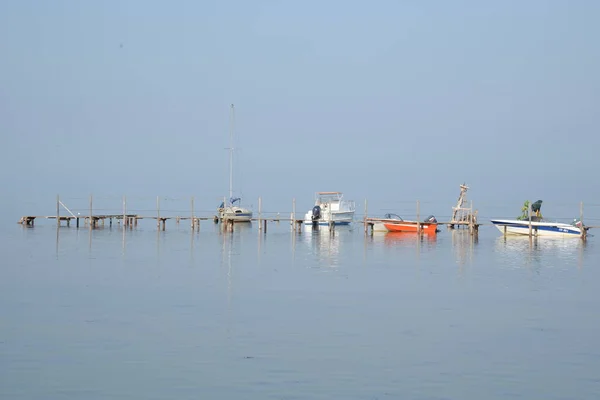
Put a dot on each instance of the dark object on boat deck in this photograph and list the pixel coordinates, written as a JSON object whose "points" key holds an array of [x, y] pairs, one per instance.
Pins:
{"points": [[431, 219]]}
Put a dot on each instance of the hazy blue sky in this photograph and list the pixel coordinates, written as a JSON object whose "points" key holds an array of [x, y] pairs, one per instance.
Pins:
{"points": [[385, 100]]}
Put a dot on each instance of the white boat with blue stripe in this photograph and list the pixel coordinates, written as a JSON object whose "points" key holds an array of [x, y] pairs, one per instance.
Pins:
{"points": [[330, 207], [532, 217], [539, 227]]}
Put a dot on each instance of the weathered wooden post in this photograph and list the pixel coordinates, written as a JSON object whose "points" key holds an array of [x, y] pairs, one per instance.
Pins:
{"points": [[259, 213], [124, 212], [529, 212], [57, 211], [193, 221], [418, 218], [583, 230], [365, 218], [158, 212], [91, 219]]}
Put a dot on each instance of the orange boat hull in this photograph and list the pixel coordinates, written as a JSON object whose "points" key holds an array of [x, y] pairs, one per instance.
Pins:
{"points": [[411, 226]]}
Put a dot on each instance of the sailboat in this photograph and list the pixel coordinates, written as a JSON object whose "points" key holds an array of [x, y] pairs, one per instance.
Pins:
{"points": [[227, 209]]}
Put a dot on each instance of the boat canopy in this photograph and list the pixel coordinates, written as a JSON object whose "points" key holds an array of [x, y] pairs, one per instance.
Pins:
{"points": [[231, 201], [325, 197]]}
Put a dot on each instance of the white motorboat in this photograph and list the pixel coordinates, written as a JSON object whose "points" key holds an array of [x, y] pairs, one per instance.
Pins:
{"points": [[330, 207]]}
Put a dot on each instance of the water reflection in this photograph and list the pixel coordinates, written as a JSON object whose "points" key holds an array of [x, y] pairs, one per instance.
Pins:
{"points": [[541, 252], [325, 243], [408, 239]]}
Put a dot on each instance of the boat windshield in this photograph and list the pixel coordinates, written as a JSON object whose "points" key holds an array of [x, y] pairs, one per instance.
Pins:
{"points": [[393, 216]]}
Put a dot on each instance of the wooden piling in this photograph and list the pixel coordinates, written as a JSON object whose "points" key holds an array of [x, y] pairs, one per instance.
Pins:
{"points": [[419, 230], [91, 220], [259, 213], [583, 230], [124, 211], [529, 215], [365, 218], [57, 210], [265, 225], [158, 212], [193, 221]]}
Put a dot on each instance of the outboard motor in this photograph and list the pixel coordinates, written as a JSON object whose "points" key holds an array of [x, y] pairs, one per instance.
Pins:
{"points": [[431, 219], [316, 213]]}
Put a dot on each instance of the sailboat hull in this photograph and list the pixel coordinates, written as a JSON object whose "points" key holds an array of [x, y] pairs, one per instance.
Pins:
{"points": [[237, 214]]}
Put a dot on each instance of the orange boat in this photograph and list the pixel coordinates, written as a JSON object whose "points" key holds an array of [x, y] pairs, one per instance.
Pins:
{"points": [[397, 224], [411, 226]]}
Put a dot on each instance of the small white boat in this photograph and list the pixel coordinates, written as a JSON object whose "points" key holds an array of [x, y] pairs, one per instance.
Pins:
{"points": [[539, 227], [330, 207], [233, 212], [379, 225]]}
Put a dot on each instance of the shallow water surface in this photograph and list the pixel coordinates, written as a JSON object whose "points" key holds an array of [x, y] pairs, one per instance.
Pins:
{"points": [[141, 314]]}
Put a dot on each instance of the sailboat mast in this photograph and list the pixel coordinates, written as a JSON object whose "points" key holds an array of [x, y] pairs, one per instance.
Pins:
{"points": [[232, 117]]}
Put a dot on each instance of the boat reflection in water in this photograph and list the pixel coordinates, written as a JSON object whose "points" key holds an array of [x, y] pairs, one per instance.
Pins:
{"points": [[408, 238], [325, 244], [519, 251]]}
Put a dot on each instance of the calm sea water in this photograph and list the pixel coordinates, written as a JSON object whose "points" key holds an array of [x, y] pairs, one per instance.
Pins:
{"points": [[143, 314]]}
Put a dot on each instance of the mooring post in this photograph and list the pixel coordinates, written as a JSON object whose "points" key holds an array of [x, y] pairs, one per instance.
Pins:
{"points": [[124, 212], [529, 212], [418, 220], [265, 223], [365, 218], [193, 221], [91, 220], [158, 212], [77, 222], [583, 230], [259, 213], [57, 210]]}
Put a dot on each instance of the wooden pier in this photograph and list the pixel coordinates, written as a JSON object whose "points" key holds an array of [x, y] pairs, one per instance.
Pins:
{"points": [[462, 216]]}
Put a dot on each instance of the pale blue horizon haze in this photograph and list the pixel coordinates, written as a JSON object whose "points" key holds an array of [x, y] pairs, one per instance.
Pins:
{"points": [[388, 101]]}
